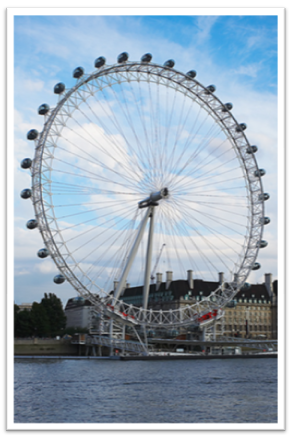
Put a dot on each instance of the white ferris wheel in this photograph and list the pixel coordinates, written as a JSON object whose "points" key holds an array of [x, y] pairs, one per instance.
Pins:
{"points": [[136, 156]]}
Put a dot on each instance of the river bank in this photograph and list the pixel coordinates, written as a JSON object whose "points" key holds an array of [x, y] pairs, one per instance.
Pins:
{"points": [[41, 346]]}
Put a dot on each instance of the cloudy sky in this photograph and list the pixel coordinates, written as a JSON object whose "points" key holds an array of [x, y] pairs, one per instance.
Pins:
{"points": [[237, 53]]}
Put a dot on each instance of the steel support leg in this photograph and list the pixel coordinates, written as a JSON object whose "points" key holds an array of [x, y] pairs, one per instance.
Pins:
{"points": [[121, 284], [148, 261]]}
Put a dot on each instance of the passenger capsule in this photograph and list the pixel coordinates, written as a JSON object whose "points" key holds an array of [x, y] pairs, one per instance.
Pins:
{"points": [[59, 88], [227, 107], [252, 149], [26, 163], [32, 134], [59, 279], [78, 72], [192, 74], [259, 172], [211, 89], [146, 57], [241, 127], [262, 244], [100, 61], [246, 286], [43, 109], [256, 266], [169, 63], [265, 220], [264, 196], [43, 253], [26, 193], [122, 57], [32, 224]]}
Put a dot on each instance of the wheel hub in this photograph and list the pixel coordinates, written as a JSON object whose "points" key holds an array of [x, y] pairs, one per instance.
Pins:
{"points": [[154, 198]]}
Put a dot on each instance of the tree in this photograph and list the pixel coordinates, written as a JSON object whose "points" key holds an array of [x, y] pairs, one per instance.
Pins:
{"points": [[55, 314], [22, 323], [39, 320]]}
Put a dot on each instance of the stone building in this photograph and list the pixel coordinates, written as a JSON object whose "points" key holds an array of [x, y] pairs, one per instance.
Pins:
{"points": [[78, 312], [252, 313]]}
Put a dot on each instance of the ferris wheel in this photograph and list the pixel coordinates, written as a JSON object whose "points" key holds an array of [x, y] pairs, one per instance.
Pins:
{"points": [[137, 156]]}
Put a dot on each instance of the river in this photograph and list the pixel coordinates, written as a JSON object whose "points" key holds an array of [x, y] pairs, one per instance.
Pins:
{"points": [[112, 391]]}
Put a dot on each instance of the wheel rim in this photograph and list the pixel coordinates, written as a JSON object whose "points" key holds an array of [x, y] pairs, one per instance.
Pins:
{"points": [[201, 190]]}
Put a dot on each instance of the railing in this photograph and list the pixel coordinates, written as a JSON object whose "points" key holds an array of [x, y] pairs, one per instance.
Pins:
{"points": [[124, 345]]}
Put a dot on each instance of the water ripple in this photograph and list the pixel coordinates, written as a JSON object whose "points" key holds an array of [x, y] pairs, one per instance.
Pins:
{"points": [[96, 391]]}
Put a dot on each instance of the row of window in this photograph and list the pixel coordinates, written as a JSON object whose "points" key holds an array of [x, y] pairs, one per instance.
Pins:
{"points": [[243, 328]]}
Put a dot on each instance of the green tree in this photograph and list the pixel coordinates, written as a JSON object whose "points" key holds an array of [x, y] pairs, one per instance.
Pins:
{"points": [[55, 314], [23, 325], [16, 311], [40, 320]]}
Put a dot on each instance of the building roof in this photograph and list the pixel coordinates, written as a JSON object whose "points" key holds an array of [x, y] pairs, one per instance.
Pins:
{"points": [[181, 288], [77, 302]]}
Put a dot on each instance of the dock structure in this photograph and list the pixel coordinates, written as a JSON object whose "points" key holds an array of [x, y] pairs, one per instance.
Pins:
{"points": [[95, 344]]}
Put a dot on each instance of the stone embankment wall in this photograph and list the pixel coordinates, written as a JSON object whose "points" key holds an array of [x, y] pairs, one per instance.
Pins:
{"points": [[41, 346]]}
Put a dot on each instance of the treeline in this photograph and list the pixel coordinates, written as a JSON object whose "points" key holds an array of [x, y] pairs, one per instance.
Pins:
{"points": [[45, 319]]}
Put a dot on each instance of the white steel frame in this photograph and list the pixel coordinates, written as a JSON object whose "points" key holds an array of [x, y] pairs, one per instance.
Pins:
{"points": [[42, 166]]}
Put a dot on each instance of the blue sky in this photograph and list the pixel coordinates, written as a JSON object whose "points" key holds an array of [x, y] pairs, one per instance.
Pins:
{"points": [[236, 53]]}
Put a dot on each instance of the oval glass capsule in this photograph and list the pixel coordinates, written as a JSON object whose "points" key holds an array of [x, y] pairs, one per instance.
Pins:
{"points": [[192, 74], [26, 163], [122, 57], [59, 279], [78, 72], [99, 62], [146, 57], [259, 172], [31, 224], [211, 89], [264, 196], [59, 88], [252, 149], [169, 63], [32, 134], [43, 109], [262, 244], [241, 127], [227, 107], [265, 220], [43, 253], [26, 193]]}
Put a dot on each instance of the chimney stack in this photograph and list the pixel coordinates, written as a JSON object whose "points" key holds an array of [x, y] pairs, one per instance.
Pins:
{"points": [[159, 280], [190, 279], [268, 284], [127, 285], [115, 284], [221, 277], [169, 278]]}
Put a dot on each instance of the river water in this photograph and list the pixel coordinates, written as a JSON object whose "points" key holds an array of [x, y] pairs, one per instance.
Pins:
{"points": [[112, 391]]}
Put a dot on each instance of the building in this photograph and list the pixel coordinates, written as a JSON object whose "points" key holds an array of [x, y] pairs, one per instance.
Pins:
{"points": [[25, 306], [78, 312], [251, 314]]}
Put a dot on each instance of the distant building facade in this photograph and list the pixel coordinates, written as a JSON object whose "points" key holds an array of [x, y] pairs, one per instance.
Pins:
{"points": [[78, 312], [252, 313], [25, 306]]}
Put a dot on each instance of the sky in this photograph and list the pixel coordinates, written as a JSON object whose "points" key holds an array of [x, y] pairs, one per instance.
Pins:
{"points": [[236, 53]]}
